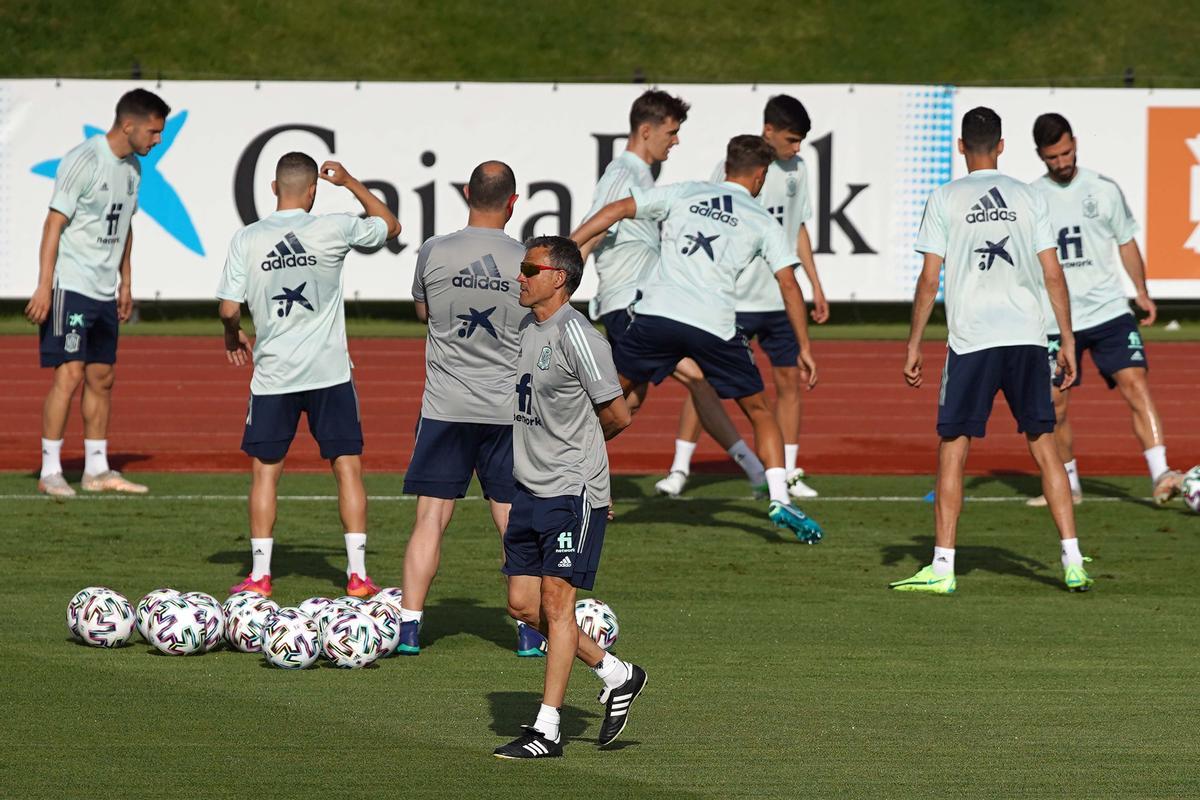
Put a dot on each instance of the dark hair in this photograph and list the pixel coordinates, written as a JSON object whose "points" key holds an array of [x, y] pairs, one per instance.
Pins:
{"points": [[295, 170], [747, 153], [786, 113], [1049, 128], [656, 107], [980, 130], [491, 184], [141, 103], [563, 253]]}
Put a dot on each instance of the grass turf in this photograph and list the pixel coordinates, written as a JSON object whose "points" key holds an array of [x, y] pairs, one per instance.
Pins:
{"points": [[775, 669]]}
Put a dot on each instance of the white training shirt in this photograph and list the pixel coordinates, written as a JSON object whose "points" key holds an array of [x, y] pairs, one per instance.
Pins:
{"points": [[1090, 218], [630, 247], [989, 229]]}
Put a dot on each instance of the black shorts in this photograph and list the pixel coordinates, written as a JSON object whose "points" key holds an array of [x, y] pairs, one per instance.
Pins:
{"points": [[333, 420], [445, 455], [78, 328], [615, 324], [651, 347], [559, 537], [775, 336], [970, 382], [1115, 345]]}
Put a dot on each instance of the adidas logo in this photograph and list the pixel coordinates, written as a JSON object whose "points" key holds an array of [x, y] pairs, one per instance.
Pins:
{"points": [[482, 274], [104, 186], [566, 562], [288, 253], [719, 208], [991, 208], [1137, 356]]}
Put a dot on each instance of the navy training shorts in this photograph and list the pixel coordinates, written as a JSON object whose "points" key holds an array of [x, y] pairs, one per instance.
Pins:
{"points": [[445, 455], [1115, 345], [615, 324], [774, 333], [78, 328], [651, 347], [559, 537], [970, 382], [333, 420]]}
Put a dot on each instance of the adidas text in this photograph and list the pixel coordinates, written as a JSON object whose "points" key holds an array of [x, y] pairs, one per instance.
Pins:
{"points": [[293, 260], [992, 215], [480, 282], [714, 213]]}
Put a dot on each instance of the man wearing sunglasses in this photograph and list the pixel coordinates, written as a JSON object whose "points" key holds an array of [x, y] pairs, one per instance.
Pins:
{"points": [[568, 402], [711, 232]]}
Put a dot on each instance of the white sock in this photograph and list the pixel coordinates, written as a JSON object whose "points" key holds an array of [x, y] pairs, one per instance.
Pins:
{"points": [[260, 549], [744, 457], [683, 456], [407, 615], [547, 722], [790, 451], [1071, 557], [1156, 460], [356, 554], [613, 671], [1073, 476], [943, 561], [51, 456], [95, 456], [777, 484]]}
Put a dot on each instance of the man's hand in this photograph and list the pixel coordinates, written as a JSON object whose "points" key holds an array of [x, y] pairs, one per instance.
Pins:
{"points": [[808, 368], [1066, 363], [820, 310], [1144, 302], [611, 516], [912, 366], [124, 303], [237, 348], [335, 173], [38, 307]]}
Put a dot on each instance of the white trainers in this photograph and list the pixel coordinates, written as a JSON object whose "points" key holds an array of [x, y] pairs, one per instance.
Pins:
{"points": [[796, 485], [672, 485], [111, 481], [1040, 500], [55, 485], [1167, 486]]}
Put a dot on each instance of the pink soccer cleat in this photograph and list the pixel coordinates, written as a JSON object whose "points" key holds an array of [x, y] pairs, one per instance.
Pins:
{"points": [[111, 481], [360, 587], [261, 586]]}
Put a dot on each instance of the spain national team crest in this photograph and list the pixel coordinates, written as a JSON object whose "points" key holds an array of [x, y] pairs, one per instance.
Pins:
{"points": [[71, 342], [1091, 208], [543, 361], [792, 187], [129, 185]]}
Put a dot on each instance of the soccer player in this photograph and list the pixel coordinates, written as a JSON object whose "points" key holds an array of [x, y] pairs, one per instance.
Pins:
{"points": [[710, 233], [627, 250], [1089, 214], [760, 310], [84, 286], [466, 290], [992, 235], [287, 268], [568, 402]]}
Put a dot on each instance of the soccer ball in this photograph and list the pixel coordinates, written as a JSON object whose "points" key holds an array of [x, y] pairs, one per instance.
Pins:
{"points": [[215, 634], [76, 604], [1191, 489], [326, 613], [236, 601], [350, 601], [106, 620], [290, 641], [351, 640], [179, 627], [390, 595], [146, 605], [243, 627], [387, 622], [313, 605], [598, 621]]}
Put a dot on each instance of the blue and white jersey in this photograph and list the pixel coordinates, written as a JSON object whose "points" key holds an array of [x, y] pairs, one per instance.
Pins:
{"points": [[630, 247]]}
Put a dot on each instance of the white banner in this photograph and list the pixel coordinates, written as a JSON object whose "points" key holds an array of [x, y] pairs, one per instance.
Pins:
{"points": [[873, 154]]}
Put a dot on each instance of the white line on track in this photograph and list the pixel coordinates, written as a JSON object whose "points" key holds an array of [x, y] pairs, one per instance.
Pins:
{"points": [[400, 498]]}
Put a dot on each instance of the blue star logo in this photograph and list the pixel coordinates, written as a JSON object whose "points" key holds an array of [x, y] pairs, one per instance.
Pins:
{"points": [[289, 296], [156, 196], [992, 251], [477, 319], [700, 242]]}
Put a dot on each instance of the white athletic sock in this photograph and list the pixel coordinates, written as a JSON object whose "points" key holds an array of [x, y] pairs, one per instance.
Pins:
{"points": [[683, 456], [777, 484], [1156, 460], [790, 451], [744, 457], [547, 722], [1073, 476], [260, 549], [943, 561], [95, 456], [356, 554], [613, 671], [407, 615], [1071, 557], [51, 456]]}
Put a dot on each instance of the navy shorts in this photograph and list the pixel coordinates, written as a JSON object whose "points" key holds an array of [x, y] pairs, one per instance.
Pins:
{"points": [[651, 347], [560, 537], [446, 453], [78, 328], [333, 420], [970, 383], [615, 324], [774, 333], [1115, 345]]}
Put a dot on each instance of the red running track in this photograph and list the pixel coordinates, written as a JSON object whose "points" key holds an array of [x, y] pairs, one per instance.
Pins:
{"points": [[179, 406]]}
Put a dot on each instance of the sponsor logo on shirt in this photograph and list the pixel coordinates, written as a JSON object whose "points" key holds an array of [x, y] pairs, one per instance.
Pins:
{"points": [[719, 209], [524, 412], [991, 208], [288, 252], [289, 298], [700, 242], [475, 320], [991, 251], [482, 274], [1070, 248]]}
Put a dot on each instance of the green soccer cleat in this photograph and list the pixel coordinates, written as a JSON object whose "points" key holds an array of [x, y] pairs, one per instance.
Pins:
{"points": [[786, 515], [1077, 579], [926, 581]]}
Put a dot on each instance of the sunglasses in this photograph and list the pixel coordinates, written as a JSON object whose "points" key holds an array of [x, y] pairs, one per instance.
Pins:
{"points": [[530, 269]]}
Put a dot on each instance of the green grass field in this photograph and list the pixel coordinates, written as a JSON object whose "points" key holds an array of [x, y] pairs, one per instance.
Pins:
{"points": [[776, 670]]}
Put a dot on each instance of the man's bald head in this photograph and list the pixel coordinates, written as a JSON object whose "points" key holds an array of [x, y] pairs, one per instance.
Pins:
{"points": [[294, 174], [492, 184]]}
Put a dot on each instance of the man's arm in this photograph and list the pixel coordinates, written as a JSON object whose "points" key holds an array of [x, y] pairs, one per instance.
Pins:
{"points": [[237, 344], [820, 312], [1060, 302], [923, 300], [793, 303], [587, 247], [1131, 259], [422, 311], [336, 174], [604, 219], [125, 290], [614, 416], [38, 307]]}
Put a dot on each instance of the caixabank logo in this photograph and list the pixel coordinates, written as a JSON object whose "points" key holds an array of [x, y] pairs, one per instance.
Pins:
{"points": [[1173, 193]]}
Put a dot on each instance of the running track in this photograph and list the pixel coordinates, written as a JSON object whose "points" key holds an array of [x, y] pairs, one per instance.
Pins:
{"points": [[180, 407]]}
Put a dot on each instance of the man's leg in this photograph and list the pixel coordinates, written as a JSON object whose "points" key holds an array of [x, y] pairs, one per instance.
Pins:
{"points": [[788, 408], [423, 553], [1135, 388], [57, 407], [1057, 490], [938, 576], [352, 507], [96, 407], [705, 406], [562, 634], [264, 481]]}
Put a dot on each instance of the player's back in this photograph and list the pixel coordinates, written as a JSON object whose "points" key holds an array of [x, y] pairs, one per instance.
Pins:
{"points": [[468, 282]]}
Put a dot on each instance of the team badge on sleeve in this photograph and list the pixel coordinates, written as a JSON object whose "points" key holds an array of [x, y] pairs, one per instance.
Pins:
{"points": [[543, 361]]}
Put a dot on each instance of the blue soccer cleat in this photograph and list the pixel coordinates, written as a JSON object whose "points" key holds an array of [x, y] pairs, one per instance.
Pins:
{"points": [[530, 642], [410, 639], [786, 515]]}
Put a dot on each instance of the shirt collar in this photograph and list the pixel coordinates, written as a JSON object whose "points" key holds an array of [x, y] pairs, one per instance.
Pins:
{"points": [[737, 187]]}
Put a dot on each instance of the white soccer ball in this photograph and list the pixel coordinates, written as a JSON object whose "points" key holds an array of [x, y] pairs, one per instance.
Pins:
{"points": [[351, 640], [106, 619], [387, 622], [350, 601], [75, 606], [236, 601], [290, 641], [313, 605], [179, 627], [214, 635], [326, 614], [390, 595], [146, 605], [1191, 489], [598, 621], [244, 626]]}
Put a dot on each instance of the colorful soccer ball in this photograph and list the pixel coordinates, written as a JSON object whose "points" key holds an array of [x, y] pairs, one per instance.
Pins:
{"points": [[146, 605], [350, 601], [243, 628], [390, 595], [215, 635], [106, 620], [1191, 489], [387, 622], [76, 604], [179, 627], [326, 614], [290, 641], [351, 640], [236, 601], [313, 605], [598, 621]]}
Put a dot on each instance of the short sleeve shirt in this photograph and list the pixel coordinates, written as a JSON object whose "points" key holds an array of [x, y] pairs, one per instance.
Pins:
{"points": [[629, 248]]}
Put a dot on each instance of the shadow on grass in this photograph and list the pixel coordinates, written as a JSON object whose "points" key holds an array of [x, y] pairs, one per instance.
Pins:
{"points": [[697, 511], [513, 710], [1031, 486], [287, 559], [455, 615], [970, 558]]}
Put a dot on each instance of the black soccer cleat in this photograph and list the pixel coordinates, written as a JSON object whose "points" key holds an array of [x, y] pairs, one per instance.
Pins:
{"points": [[531, 744], [617, 702]]}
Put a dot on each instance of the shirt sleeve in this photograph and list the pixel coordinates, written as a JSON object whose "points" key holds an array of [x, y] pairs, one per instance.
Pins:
{"points": [[364, 231], [1043, 233], [804, 210], [614, 186], [590, 356], [656, 203], [418, 286], [931, 238], [1120, 219], [232, 285], [776, 250], [76, 174]]}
